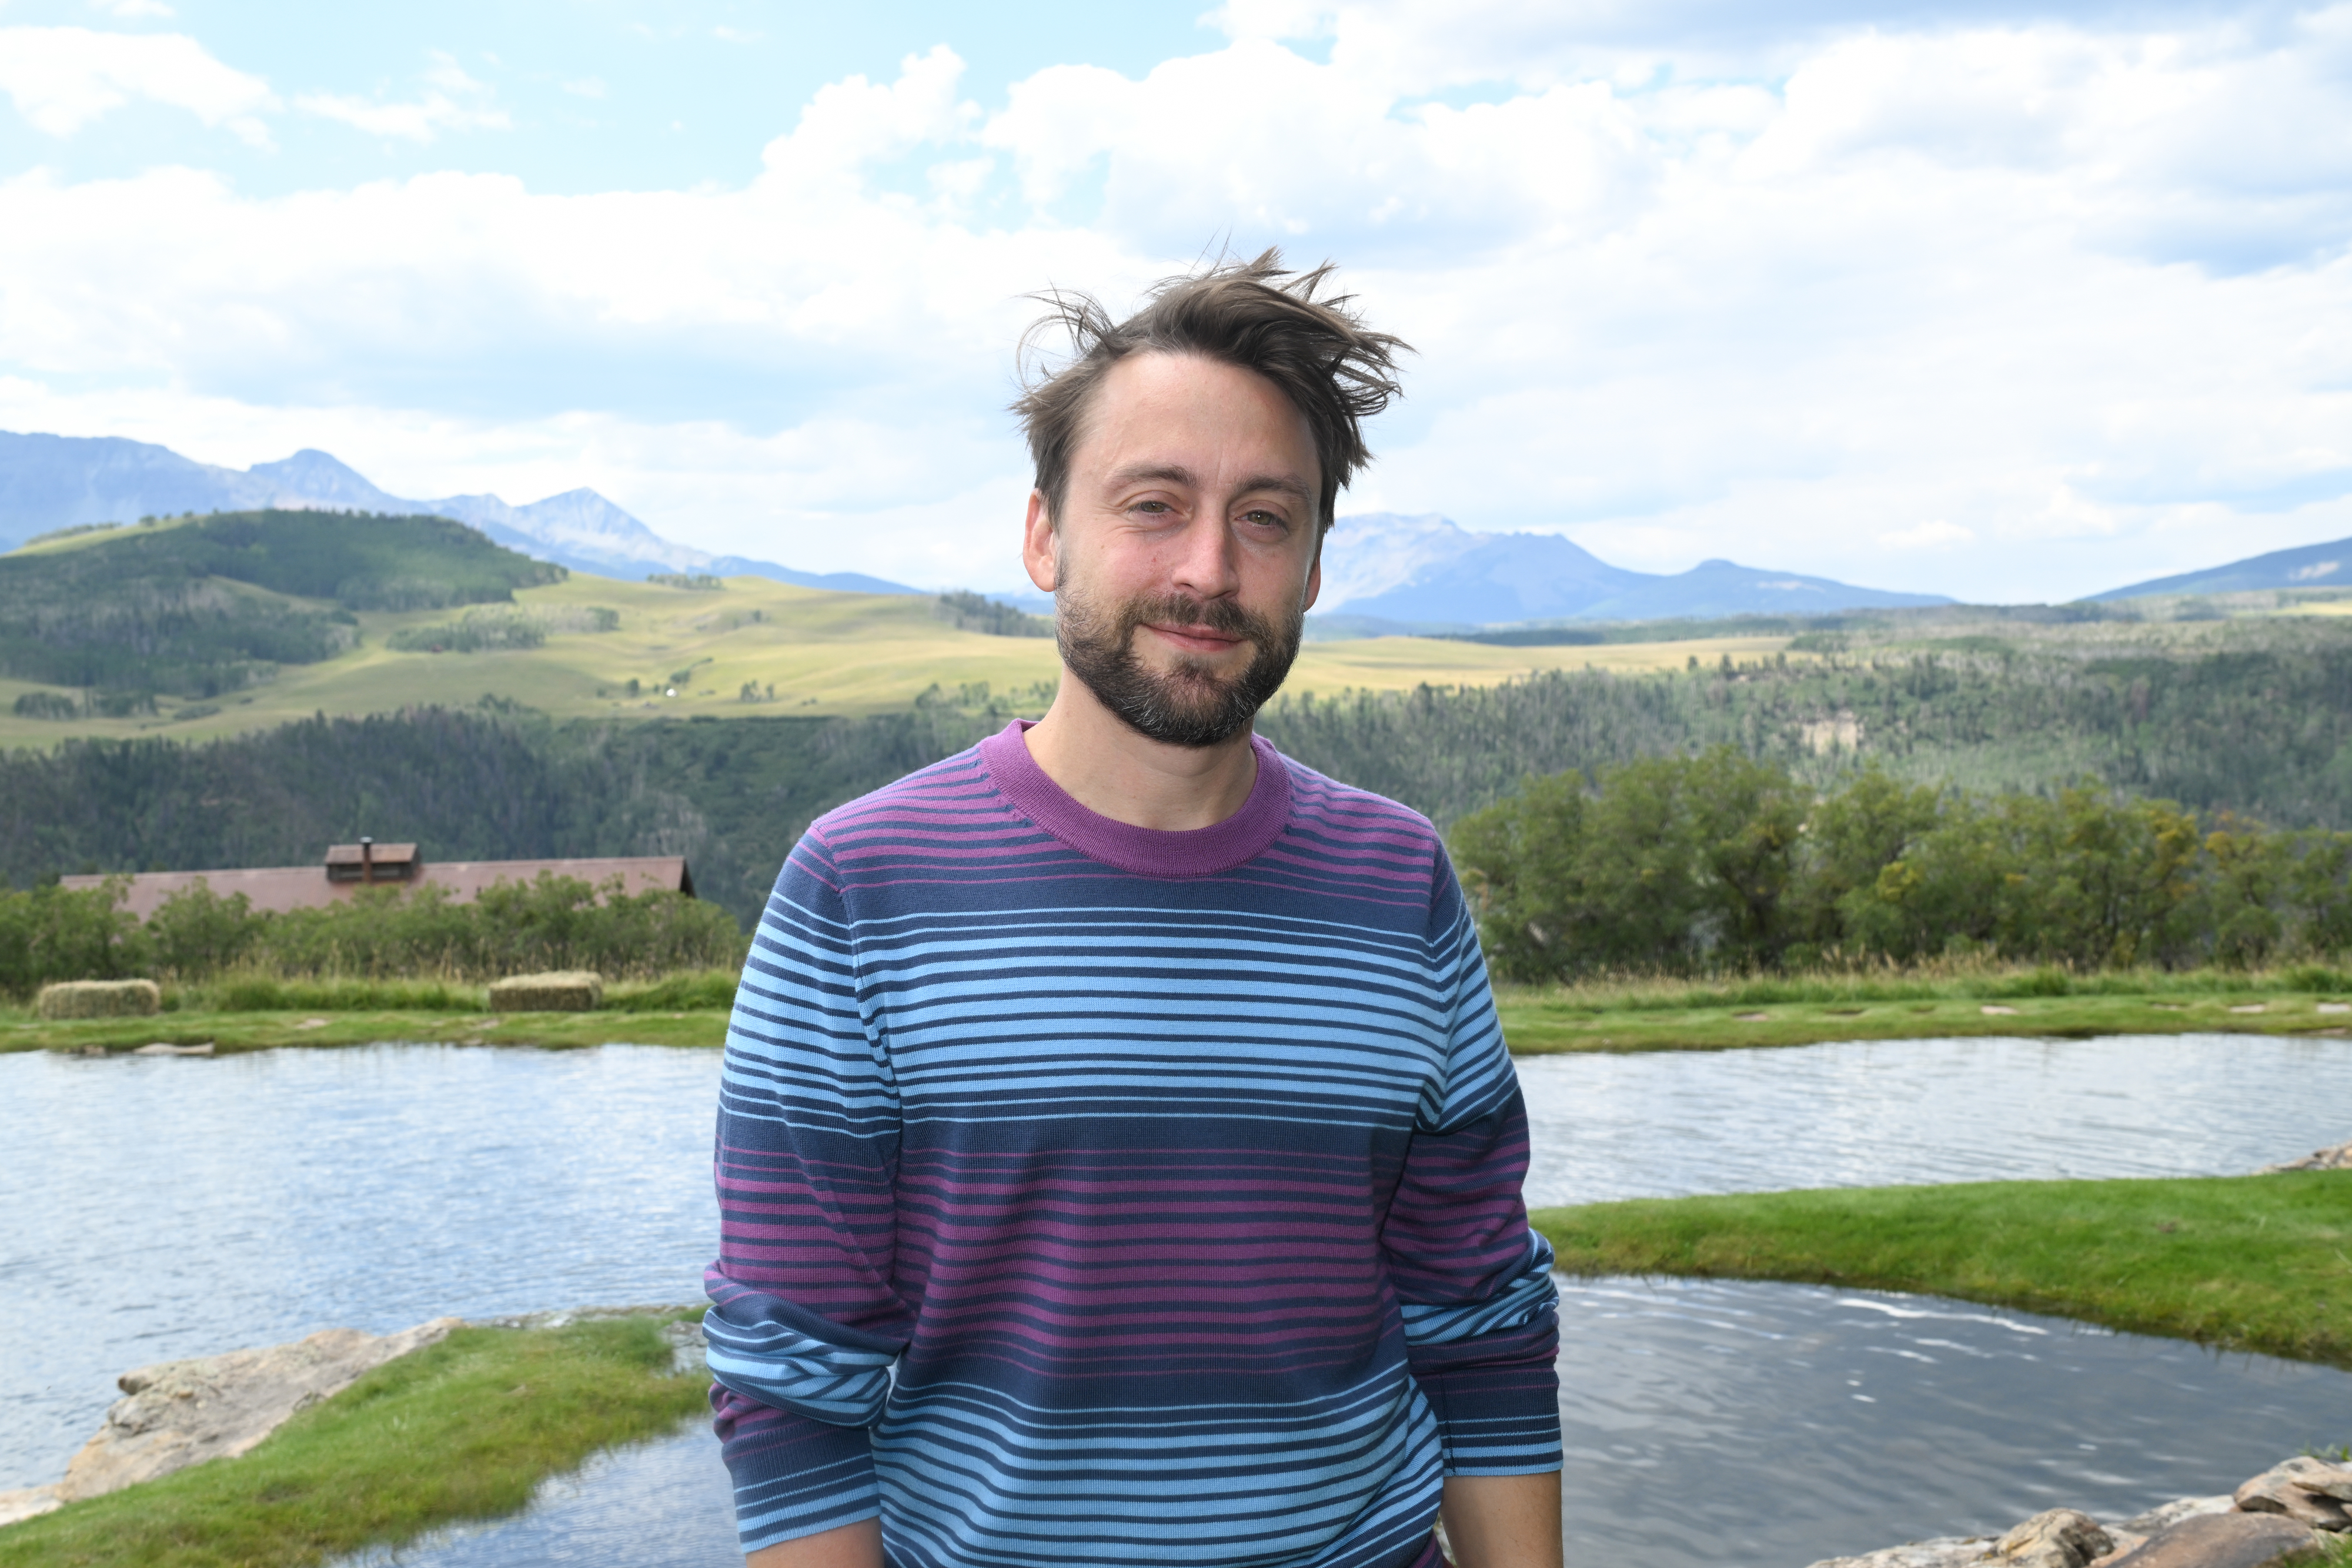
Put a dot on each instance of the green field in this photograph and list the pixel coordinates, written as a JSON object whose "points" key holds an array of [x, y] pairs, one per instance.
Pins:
{"points": [[2246, 1263], [749, 647]]}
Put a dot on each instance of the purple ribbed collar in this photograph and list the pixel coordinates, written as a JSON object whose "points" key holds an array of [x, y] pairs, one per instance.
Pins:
{"points": [[1146, 852]]}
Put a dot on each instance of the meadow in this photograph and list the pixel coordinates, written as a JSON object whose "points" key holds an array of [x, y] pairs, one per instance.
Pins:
{"points": [[751, 648]]}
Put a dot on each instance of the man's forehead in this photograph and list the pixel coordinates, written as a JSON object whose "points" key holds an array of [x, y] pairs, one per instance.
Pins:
{"points": [[1148, 398]]}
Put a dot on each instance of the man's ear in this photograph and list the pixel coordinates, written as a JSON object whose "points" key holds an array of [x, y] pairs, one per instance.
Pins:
{"points": [[1038, 557], [1315, 574]]}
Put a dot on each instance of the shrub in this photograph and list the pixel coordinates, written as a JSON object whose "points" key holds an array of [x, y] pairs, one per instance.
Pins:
{"points": [[1717, 863]]}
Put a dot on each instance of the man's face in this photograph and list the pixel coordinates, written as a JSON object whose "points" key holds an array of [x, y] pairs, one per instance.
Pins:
{"points": [[1187, 555]]}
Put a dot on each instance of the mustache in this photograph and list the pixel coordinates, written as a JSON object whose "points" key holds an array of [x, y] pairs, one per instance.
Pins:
{"points": [[1219, 615]]}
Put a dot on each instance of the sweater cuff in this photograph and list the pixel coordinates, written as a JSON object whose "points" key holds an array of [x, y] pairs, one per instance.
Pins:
{"points": [[1497, 1401], [793, 1475]]}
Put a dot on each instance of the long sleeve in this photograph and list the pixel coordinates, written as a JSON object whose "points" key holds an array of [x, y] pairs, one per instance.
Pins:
{"points": [[806, 1322], [1481, 1311]]}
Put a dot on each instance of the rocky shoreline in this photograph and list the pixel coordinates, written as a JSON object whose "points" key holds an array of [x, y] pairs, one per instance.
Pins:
{"points": [[2281, 1516]]}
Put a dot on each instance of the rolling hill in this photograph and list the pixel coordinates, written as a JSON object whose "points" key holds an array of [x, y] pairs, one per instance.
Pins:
{"points": [[2306, 566], [219, 625]]}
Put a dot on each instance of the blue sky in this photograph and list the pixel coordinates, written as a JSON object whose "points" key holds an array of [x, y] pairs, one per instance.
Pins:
{"points": [[2011, 303]]}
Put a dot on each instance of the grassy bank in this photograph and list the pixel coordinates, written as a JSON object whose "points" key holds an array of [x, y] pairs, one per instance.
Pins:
{"points": [[253, 1012], [2247, 1263], [1534, 1030], [460, 1430], [230, 1032], [1631, 1015], [1718, 1015]]}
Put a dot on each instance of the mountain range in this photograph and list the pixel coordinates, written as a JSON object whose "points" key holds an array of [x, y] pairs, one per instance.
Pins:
{"points": [[50, 482], [1383, 572]]}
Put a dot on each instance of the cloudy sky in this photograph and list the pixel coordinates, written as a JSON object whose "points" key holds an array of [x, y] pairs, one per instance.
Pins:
{"points": [[2002, 300]]}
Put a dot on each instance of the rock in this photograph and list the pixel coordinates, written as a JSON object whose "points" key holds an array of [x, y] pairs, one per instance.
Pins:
{"points": [[2165, 1515], [689, 1350], [181, 1412], [30, 1502], [1944, 1552], [2307, 1491], [2338, 1158], [1995, 1010], [2124, 1541], [2055, 1538], [163, 1048], [2224, 1541]]}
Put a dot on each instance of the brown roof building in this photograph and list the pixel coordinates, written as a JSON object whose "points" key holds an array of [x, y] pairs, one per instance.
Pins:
{"points": [[350, 867]]}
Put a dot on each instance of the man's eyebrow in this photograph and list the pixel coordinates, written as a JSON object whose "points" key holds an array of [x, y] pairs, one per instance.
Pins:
{"points": [[1167, 473], [1280, 483]]}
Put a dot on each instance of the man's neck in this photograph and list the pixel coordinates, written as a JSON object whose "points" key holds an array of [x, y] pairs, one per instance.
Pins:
{"points": [[1113, 772]]}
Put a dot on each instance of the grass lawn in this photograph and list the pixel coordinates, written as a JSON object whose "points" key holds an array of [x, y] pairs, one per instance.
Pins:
{"points": [[2248, 1263], [460, 1430], [1674, 1015]]}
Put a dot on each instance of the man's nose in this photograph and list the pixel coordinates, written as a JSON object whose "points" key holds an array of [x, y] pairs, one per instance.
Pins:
{"points": [[1205, 565]]}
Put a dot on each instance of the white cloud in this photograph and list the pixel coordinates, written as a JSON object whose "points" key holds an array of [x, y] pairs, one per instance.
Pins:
{"points": [[1957, 309], [1934, 535], [853, 122], [453, 101], [586, 86], [62, 78]]}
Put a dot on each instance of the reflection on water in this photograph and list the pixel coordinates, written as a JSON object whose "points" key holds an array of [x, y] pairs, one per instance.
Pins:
{"points": [[1877, 1112], [664, 1504], [158, 1209]]}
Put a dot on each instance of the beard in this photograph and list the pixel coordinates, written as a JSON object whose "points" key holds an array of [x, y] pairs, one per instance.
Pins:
{"points": [[1189, 705]]}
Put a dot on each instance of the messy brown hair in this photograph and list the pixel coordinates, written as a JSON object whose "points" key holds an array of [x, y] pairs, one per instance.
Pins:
{"points": [[1333, 369]]}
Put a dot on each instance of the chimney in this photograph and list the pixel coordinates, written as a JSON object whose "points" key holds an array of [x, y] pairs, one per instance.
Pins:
{"points": [[367, 861]]}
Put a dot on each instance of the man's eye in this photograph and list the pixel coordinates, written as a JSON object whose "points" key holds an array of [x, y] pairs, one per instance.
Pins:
{"points": [[1153, 506], [1266, 519]]}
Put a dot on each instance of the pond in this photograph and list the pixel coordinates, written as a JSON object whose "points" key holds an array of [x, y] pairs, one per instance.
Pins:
{"points": [[1877, 1412], [1877, 1112], [180, 1206]]}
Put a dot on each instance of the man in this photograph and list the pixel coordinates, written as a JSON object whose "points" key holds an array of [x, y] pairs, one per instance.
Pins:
{"points": [[1117, 1155]]}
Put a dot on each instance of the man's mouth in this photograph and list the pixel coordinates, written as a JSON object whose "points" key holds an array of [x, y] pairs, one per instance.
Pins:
{"points": [[1197, 639]]}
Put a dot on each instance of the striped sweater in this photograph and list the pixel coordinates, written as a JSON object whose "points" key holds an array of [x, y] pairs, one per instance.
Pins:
{"points": [[1091, 1194]]}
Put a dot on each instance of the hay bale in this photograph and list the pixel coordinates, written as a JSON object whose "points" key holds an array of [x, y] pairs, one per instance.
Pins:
{"points": [[100, 999], [559, 991]]}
